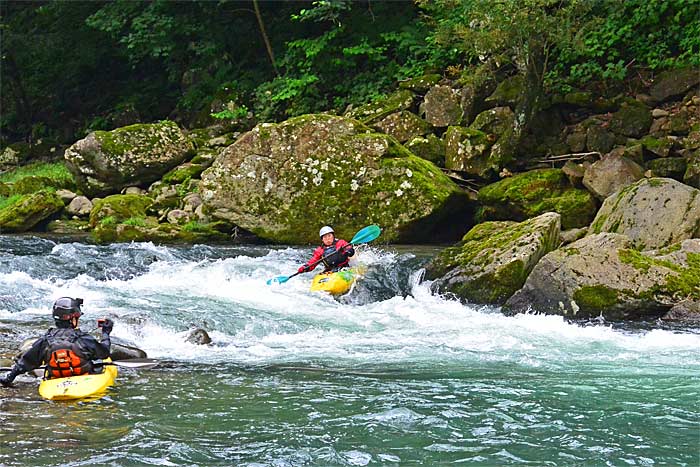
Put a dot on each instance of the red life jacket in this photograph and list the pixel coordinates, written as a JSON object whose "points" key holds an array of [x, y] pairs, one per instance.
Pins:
{"points": [[63, 356], [334, 259]]}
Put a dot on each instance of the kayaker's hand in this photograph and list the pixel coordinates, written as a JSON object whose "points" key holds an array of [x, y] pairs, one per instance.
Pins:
{"points": [[6, 380], [304, 268], [107, 325]]}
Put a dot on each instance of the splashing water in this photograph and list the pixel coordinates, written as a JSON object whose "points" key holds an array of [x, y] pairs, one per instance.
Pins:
{"points": [[390, 374]]}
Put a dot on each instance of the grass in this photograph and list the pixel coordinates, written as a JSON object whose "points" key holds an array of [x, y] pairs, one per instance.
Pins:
{"points": [[56, 171], [5, 201]]}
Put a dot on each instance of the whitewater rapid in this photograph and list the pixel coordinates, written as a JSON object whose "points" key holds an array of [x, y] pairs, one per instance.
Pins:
{"points": [[391, 319]]}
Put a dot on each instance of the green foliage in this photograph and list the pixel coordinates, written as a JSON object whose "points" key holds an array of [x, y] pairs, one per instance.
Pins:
{"points": [[231, 114], [614, 37]]}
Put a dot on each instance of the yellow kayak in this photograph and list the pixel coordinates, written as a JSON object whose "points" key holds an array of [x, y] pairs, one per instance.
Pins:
{"points": [[336, 283], [78, 387]]}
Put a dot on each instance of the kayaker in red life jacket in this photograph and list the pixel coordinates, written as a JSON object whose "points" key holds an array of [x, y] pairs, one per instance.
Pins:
{"points": [[334, 253], [65, 349]]}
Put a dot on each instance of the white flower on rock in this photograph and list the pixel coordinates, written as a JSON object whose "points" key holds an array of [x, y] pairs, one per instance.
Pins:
{"points": [[409, 174], [398, 192], [354, 185]]}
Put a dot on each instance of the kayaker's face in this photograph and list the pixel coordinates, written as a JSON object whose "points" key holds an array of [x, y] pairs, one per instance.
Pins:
{"points": [[74, 322], [328, 239]]}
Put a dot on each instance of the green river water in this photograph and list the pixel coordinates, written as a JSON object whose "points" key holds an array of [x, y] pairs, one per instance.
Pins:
{"points": [[390, 374]]}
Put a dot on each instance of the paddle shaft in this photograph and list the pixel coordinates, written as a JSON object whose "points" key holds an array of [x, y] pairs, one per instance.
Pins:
{"points": [[128, 363]]}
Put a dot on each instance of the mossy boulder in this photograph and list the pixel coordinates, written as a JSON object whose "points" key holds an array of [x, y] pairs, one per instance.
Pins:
{"points": [[5, 189], [674, 83], [656, 147], [494, 121], [282, 181], [375, 111], [611, 173], [632, 120], [532, 193], [106, 161], [494, 259], [692, 172], [508, 92], [653, 213], [118, 208], [73, 227], [599, 139], [430, 148], [468, 150], [442, 106], [668, 167], [148, 229], [31, 184], [603, 275], [403, 126], [420, 84], [26, 211], [183, 172]]}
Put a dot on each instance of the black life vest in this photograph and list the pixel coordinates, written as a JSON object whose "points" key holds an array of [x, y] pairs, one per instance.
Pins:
{"points": [[334, 259], [63, 355]]}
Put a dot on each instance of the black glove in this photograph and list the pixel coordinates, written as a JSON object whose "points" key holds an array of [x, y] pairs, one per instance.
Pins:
{"points": [[7, 379], [350, 251], [106, 325]]}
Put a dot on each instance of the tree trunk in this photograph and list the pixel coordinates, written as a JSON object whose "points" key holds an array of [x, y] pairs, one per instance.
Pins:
{"points": [[270, 53]]}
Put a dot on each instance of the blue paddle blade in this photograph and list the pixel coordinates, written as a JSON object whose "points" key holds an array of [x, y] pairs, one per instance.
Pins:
{"points": [[278, 280], [367, 234]]}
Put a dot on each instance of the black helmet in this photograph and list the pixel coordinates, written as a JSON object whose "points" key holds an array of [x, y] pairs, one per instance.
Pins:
{"points": [[66, 308]]}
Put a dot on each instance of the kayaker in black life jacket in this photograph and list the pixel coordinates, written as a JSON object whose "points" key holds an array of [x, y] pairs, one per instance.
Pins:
{"points": [[65, 349], [334, 253]]}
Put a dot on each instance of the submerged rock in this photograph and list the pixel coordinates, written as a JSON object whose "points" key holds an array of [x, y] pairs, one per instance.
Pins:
{"points": [[494, 258], [282, 181], [198, 336]]}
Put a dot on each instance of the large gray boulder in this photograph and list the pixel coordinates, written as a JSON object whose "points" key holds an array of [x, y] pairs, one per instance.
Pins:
{"points": [[283, 181], [674, 83], [494, 258], [611, 173], [106, 161], [603, 275], [653, 213]]}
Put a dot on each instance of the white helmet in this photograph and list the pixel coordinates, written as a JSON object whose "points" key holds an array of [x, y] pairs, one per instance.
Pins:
{"points": [[324, 230]]}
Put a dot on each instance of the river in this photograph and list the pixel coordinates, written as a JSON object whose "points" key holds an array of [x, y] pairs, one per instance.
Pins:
{"points": [[388, 375]]}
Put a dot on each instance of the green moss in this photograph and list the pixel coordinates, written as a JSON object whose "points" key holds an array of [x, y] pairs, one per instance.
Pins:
{"points": [[121, 207], [9, 201], [182, 173], [536, 192], [139, 221], [596, 298], [23, 213], [108, 221]]}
